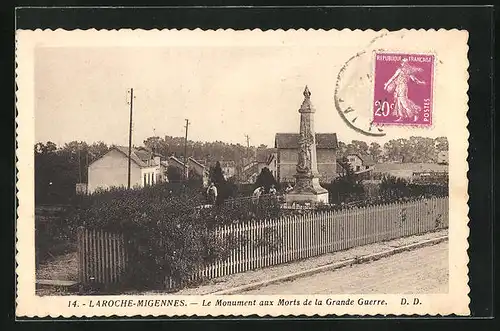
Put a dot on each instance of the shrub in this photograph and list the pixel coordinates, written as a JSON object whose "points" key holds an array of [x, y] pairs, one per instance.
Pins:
{"points": [[53, 234], [394, 188], [165, 233]]}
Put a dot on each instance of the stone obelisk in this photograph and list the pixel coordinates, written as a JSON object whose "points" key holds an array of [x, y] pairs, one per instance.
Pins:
{"points": [[307, 188]]}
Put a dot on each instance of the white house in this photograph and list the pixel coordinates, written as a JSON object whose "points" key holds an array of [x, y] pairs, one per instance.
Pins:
{"points": [[360, 163], [111, 170]]}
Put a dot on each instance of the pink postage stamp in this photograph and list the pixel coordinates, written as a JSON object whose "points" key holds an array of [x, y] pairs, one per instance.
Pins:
{"points": [[403, 89]]}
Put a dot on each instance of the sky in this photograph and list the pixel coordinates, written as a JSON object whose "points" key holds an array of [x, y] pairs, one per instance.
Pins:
{"points": [[225, 92]]}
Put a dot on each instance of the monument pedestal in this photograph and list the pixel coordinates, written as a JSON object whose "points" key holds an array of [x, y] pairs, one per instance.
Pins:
{"points": [[307, 190]]}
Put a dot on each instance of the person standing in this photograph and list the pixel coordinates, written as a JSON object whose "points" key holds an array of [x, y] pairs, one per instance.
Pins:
{"points": [[257, 193], [212, 193], [272, 190]]}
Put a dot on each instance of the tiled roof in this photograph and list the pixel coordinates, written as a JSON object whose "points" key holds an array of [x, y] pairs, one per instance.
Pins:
{"points": [[134, 155], [264, 154], [176, 160], [196, 162], [367, 159], [139, 156], [291, 140]]}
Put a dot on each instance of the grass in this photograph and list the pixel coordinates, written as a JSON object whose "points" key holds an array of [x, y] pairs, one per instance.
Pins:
{"points": [[62, 267]]}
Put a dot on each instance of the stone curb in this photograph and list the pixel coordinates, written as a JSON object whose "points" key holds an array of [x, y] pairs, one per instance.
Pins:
{"points": [[332, 266]]}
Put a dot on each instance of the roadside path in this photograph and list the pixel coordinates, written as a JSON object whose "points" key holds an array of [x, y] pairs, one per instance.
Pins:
{"points": [[423, 270], [231, 281]]}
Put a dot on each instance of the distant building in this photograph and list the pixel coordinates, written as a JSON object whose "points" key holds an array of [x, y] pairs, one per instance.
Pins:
{"points": [[179, 164], [287, 148], [442, 157], [199, 168], [264, 158], [228, 168], [111, 170], [409, 170], [360, 163], [267, 159]]}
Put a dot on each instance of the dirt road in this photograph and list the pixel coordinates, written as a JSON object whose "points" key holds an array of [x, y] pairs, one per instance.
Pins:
{"points": [[424, 270]]}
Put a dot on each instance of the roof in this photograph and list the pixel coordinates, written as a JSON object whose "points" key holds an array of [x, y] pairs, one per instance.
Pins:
{"points": [[196, 162], [176, 160], [139, 157], [415, 167], [291, 140], [146, 151], [367, 159], [263, 155]]}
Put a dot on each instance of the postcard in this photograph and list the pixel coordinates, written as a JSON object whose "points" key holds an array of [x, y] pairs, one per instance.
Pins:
{"points": [[235, 173]]}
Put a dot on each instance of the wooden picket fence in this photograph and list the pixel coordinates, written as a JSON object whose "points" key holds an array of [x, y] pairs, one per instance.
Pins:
{"points": [[272, 242], [102, 257], [298, 237]]}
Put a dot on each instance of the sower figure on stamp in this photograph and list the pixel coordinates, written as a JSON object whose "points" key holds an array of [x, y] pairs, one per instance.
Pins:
{"points": [[403, 106]]}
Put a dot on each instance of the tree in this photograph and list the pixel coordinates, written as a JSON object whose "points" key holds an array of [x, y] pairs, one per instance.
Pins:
{"points": [[156, 144], [342, 151], [441, 143], [375, 151], [346, 187], [265, 179], [217, 177], [394, 150], [97, 150], [360, 147], [421, 149]]}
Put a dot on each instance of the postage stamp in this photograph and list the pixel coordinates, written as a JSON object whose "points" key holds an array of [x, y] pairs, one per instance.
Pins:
{"points": [[218, 173], [403, 89]]}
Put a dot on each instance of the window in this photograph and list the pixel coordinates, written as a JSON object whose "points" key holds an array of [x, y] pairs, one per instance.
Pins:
{"points": [[145, 180]]}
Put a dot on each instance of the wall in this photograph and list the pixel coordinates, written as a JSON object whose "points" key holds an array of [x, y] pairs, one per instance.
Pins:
{"points": [[151, 175], [326, 159], [112, 171]]}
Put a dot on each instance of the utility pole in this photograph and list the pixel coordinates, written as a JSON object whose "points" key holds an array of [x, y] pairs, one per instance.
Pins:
{"points": [[130, 136], [79, 165], [248, 146], [87, 167], [248, 141], [185, 148]]}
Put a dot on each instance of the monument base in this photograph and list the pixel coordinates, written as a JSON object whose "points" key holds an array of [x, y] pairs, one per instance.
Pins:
{"points": [[307, 190]]}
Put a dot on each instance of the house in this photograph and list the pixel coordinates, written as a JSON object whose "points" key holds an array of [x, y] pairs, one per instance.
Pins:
{"points": [[267, 159], [228, 168], [264, 158], [287, 148], [361, 164], [182, 168], [442, 157], [199, 168], [111, 170]]}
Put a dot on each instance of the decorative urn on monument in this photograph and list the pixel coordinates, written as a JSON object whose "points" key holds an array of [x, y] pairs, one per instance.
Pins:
{"points": [[307, 188]]}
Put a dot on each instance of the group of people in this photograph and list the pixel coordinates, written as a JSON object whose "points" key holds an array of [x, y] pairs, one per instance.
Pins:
{"points": [[212, 192]]}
